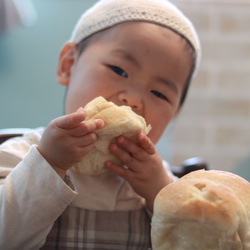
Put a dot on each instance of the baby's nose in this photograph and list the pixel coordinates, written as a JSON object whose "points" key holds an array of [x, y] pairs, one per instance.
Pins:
{"points": [[130, 99]]}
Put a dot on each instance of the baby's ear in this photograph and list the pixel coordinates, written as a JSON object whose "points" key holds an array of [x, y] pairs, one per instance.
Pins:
{"points": [[67, 58]]}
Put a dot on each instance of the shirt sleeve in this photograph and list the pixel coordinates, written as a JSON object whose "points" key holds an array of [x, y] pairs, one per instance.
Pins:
{"points": [[32, 197]]}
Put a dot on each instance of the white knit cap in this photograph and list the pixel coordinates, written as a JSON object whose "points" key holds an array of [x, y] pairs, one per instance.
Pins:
{"points": [[107, 13]]}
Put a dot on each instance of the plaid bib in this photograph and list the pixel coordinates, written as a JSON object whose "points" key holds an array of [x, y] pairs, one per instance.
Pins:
{"points": [[83, 229]]}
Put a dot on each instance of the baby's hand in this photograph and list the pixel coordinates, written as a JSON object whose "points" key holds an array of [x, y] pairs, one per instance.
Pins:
{"points": [[68, 139], [145, 171]]}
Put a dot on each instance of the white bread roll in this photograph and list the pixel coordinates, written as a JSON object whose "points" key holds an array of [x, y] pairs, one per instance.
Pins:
{"points": [[118, 120], [204, 210]]}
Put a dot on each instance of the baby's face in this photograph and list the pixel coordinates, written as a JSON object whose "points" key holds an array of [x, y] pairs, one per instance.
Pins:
{"points": [[139, 64]]}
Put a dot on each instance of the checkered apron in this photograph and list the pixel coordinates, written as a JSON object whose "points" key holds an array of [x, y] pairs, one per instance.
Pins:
{"points": [[83, 229]]}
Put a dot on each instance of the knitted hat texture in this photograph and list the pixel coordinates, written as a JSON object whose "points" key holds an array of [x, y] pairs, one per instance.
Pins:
{"points": [[107, 13]]}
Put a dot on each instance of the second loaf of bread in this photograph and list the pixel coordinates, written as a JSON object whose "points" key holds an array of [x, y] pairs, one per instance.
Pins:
{"points": [[203, 210]]}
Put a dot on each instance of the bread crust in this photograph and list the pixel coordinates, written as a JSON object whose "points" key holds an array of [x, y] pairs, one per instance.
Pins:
{"points": [[203, 210], [118, 120]]}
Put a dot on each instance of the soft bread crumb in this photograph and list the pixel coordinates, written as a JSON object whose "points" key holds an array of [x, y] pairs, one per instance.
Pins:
{"points": [[118, 120]]}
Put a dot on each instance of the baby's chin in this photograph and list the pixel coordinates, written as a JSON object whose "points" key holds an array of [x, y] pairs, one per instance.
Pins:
{"points": [[154, 137]]}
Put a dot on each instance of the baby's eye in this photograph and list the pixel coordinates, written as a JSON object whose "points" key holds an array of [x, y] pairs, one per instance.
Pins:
{"points": [[119, 71], [158, 94]]}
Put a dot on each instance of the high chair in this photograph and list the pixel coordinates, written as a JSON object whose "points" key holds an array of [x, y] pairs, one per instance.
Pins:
{"points": [[8, 133]]}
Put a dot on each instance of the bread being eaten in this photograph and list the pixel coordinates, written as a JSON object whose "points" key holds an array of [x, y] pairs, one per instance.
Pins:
{"points": [[204, 210], [118, 120]]}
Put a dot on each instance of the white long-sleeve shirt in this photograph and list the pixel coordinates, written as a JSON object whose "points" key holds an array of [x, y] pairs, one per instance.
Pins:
{"points": [[33, 196]]}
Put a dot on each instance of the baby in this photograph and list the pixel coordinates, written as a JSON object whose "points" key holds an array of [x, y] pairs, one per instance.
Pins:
{"points": [[142, 54]]}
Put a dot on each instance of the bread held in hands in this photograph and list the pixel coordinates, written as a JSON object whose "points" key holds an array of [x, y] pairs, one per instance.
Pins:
{"points": [[118, 120], [203, 210]]}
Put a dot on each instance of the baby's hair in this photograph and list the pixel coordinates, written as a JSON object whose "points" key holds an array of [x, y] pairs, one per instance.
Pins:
{"points": [[82, 45], [186, 86]]}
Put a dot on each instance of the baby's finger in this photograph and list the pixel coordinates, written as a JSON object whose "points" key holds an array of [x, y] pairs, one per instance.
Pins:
{"points": [[146, 143], [119, 170], [83, 141], [87, 127], [134, 149], [71, 120], [125, 157]]}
